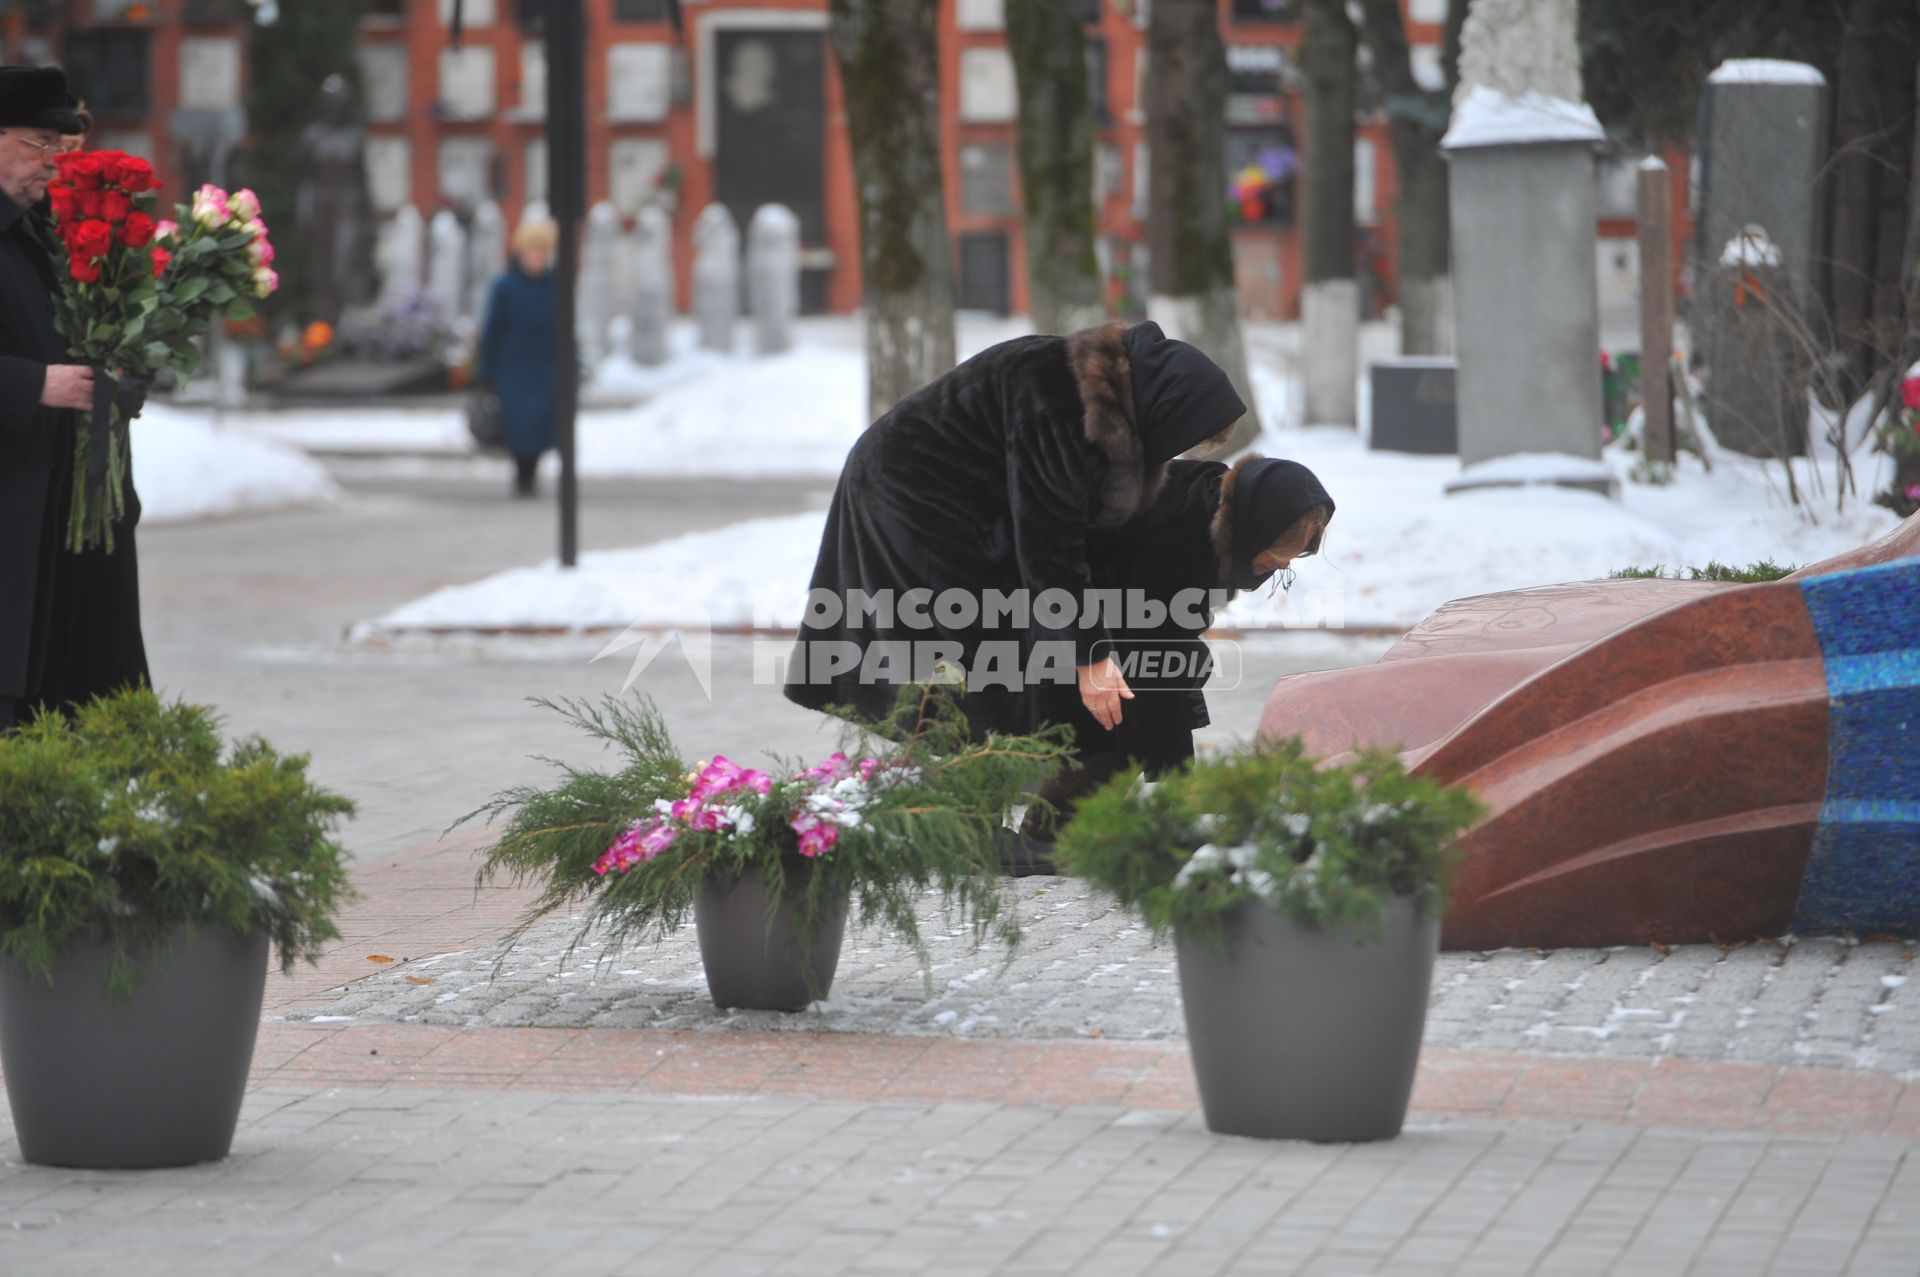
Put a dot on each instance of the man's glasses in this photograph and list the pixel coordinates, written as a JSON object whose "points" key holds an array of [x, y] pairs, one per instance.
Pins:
{"points": [[45, 149]]}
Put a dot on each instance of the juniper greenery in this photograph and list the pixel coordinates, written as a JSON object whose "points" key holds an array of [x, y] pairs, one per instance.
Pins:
{"points": [[927, 823], [127, 823], [1764, 570], [1326, 847]]}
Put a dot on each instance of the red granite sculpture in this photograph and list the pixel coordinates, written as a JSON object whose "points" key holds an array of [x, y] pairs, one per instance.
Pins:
{"points": [[1654, 752]]}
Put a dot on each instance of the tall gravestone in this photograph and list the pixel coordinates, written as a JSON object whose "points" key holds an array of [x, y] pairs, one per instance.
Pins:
{"points": [[486, 255], [599, 271], [652, 285], [447, 264], [402, 254], [773, 277], [1526, 304], [1760, 213], [716, 277]]}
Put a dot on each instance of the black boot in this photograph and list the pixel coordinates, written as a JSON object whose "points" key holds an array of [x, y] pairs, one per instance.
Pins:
{"points": [[525, 471], [1023, 857]]}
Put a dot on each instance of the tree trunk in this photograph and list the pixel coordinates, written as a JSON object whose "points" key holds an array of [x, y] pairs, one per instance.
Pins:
{"points": [[1191, 253], [1417, 119], [1872, 174], [888, 55], [1330, 304], [1049, 47]]}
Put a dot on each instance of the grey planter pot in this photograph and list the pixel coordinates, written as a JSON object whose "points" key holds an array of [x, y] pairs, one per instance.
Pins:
{"points": [[1308, 1035], [754, 952], [152, 1080]]}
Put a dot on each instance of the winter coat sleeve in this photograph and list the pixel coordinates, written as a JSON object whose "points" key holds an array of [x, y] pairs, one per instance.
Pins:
{"points": [[1053, 480], [22, 381], [487, 356]]}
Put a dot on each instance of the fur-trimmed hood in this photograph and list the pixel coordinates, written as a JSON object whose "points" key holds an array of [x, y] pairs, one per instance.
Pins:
{"points": [[1220, 528], [1104, 377]]}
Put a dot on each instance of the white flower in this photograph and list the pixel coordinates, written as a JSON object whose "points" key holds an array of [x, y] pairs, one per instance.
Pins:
{"points": [[109, 845], [1297, 823], [739, 819]]}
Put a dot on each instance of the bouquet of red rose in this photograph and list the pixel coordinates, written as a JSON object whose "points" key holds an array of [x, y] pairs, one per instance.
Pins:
{"points": [[139, 291]]}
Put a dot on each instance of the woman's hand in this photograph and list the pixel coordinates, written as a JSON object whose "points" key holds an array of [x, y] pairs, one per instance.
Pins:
{"points": [[1102, 688]]}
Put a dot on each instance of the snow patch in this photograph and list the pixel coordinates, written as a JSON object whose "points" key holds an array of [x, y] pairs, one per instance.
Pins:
{"points": [[1751, 247], [1489, 117], [1765, 71], [183, 468]]}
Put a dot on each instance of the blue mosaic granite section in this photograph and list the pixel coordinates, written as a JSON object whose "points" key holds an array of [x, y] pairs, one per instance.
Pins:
{"points": [[1864, 873]]}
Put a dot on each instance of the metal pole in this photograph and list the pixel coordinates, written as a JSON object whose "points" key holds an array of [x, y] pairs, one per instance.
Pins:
{"points": [[1656, 310], [567, 194]]}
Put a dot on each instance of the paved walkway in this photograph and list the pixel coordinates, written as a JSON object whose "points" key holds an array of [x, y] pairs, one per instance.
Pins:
{"points": [[1743, 1111]]}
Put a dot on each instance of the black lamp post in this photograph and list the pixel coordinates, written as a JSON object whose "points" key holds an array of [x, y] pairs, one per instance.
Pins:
{"points": [[566, 36]]}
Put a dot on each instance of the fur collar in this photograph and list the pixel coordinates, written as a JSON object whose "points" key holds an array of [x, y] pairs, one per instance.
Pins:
{"points": [[1102, 374], [1220, 529]]}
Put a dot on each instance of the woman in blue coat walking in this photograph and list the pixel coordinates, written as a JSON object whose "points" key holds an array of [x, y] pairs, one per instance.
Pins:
{"points": [[516, 350]]}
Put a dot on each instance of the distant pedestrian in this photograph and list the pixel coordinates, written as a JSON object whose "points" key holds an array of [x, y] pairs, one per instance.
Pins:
{"points": [[516, 350]]}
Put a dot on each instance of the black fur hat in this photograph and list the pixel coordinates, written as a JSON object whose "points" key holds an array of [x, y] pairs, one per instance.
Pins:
{"points": [[36, 98]]}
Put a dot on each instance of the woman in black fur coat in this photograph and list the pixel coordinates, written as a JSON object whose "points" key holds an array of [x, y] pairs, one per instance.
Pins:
{"points": [[957, 540]]}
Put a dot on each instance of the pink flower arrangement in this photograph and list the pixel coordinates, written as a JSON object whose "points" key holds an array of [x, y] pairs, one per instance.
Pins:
{"points": [[836, 791]]}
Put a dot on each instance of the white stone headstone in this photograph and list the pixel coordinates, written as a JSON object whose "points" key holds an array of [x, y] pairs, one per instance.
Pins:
{"points": [[773, 277], [599, 266], [652, 285], [402, 254], [447, 264], [486, 255], [716, 277]]}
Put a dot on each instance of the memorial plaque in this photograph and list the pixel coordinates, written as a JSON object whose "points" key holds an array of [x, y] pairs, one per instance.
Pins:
{"points": [[466, 171], [534, 169], [209, 71], [389, 173], [640, 82], [987, 93], [533, 80], [383, 78], [635, 165], [1413, 406], [475, 13], [466, 83], [980, 15]]}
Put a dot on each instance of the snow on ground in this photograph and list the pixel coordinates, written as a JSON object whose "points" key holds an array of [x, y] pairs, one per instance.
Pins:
{"points": [[184, 468], [702, 413], [1398, 547]]}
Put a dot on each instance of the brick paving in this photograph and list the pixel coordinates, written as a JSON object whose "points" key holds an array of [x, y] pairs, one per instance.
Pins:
{"points": [[1751, 1110]]}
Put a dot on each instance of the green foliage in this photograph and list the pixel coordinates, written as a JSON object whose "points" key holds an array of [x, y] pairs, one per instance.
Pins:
{"points": [[926, 821], [1764, 570], [287, 63], [125, 822], [1324, 846]]}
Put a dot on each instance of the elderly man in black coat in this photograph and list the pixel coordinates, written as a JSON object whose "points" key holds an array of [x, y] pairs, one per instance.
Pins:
{"points": [[69, 623]]}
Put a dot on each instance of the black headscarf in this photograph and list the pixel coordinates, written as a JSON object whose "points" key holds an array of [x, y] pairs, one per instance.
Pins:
{"points": [[1269, 497], [1180, 397]]}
